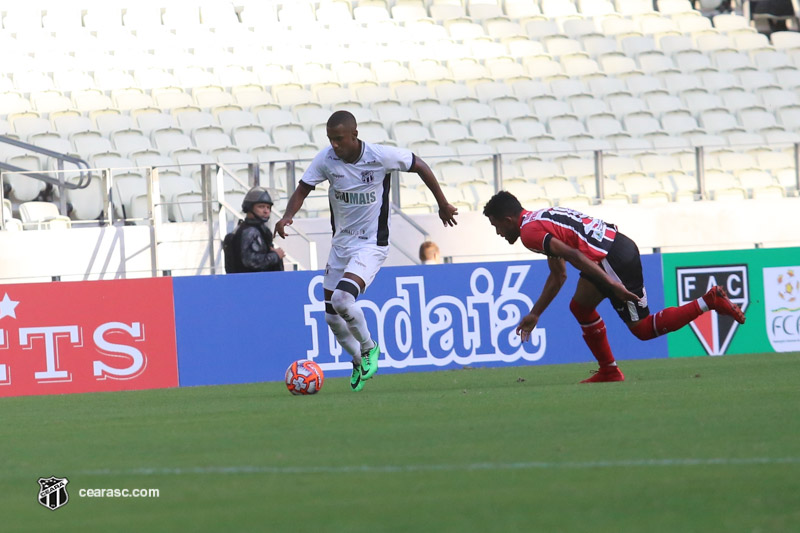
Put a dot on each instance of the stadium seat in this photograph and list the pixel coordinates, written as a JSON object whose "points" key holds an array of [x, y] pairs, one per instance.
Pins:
{"points": [[51, 142], [472, 152], [643, 86], [441, 10], [641, 124], [566, 127], [41, 215], [285, 135], [524, 89], [409, 131], [67, 124], [553, 149], [534, 170], [209, 140], [411, 92], [130, 141], [27, 124], [409, 10], [519, 9], [167, 140], [546, 108], [718, 120], [757, 120], [542, 66]]}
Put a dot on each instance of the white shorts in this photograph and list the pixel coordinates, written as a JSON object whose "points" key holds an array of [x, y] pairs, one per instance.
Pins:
{"points": [[363, 261]]}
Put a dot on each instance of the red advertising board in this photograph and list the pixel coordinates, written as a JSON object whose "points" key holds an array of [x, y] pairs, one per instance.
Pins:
{"points": [[88, 336]]}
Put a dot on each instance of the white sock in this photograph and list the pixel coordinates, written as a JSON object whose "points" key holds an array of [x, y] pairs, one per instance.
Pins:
{"points": [[345, 306], [342, 333]]}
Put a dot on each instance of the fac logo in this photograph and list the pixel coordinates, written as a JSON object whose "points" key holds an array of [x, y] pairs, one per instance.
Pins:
{"points": [[53, 492], [714, 332]]}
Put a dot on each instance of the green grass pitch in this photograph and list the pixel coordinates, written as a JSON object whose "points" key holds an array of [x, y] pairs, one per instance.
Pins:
{"points": [[684, 445]]}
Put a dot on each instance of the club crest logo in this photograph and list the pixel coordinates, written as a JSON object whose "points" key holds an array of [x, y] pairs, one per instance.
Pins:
{"points": [[53, 492], [782, 307], [714, 332], [367, 176]]}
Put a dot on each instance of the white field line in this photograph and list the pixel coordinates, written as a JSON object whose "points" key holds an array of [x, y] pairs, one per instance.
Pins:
{"points": [[389, 469]]}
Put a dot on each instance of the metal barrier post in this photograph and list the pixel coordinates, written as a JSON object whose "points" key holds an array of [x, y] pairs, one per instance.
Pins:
{"points": [[497, 171], [108, 184], [599, 174], [208, 213], [700, 170], [291, 182], [254, 174], [154, 214], [62, 197]]}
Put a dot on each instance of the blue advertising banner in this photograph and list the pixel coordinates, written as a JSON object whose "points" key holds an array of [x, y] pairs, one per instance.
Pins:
{"points": [[250, 327]]}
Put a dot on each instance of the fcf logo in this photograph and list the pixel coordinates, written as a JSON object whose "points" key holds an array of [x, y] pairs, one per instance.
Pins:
{"points": [[782, 307], [53, 492], [714, 332]]}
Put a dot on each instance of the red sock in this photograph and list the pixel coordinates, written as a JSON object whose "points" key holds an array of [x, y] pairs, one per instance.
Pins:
{"points": [[594, 333], [667, 320], [596, 339]]}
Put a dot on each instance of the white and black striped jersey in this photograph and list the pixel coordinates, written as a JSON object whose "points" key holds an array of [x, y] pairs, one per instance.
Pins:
{"points": [[359, 192]]}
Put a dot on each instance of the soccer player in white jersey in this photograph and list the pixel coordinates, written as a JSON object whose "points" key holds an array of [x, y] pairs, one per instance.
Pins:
{"points": [[358, 173]]}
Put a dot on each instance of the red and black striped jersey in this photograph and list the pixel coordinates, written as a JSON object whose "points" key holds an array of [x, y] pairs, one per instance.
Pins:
{"points": [[590, 235]]}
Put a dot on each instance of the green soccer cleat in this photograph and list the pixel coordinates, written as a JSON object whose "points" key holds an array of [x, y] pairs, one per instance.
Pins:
{"points": [[356, 383], [369, 362]]}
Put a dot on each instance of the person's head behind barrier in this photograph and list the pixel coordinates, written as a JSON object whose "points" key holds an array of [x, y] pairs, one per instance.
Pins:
{"points": [[257, 203], [429, 253]]}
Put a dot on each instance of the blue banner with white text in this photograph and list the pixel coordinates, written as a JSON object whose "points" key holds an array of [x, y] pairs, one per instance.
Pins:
{"points": [[249, 327]]}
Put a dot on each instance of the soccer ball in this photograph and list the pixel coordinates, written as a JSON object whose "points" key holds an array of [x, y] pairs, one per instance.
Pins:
{"points": [[304, 377]]}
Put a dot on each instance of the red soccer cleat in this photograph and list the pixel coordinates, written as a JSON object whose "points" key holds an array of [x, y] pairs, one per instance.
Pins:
{"points": [[606, 374], [717, 300]]}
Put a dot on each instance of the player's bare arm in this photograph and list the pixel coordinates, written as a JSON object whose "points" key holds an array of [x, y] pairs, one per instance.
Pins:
{"points": [[447, 212], [552, 285], [577, 259], [292, 207]]}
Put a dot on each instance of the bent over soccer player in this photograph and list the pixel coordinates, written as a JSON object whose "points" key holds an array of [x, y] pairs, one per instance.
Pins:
{"points": [[358, 173], [610, 268]]}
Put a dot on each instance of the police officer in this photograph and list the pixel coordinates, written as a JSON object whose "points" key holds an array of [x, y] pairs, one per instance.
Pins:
{"points": [[253, 239]]}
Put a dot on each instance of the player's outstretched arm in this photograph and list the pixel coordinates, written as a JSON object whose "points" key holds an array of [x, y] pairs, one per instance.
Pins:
{"points": [[577, 259], [555, 280], [292, 207], [447, 211]]}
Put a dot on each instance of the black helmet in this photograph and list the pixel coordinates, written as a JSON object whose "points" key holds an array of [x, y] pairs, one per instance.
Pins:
{"points": [[256, 195]]}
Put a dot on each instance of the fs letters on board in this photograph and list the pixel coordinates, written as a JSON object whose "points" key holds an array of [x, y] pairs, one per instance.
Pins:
{"points": [[87, 337]]}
